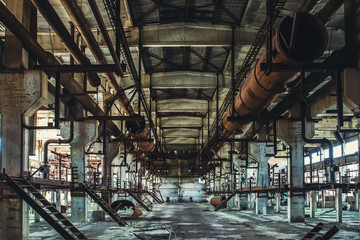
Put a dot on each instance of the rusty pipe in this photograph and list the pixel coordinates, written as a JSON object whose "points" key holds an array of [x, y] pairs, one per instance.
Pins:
{"points": [[259, 90], [50, 15], [46, 58], [53, 141]]}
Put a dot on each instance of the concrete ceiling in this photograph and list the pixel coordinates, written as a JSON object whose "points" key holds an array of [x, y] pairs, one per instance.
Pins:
{"points": [[169, 76]]}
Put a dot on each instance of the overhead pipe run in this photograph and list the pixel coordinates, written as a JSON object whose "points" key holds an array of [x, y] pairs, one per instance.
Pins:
{"points": [[50, 15], [77, 16], [301, 38], [259, 90], [46, 58]]}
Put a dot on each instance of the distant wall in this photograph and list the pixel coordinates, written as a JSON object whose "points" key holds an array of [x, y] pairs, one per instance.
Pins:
{"points": [[179, 185]]}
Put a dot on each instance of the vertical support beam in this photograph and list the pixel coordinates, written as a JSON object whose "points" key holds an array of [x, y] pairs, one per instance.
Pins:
{"points": [[84, 133], [52, 196], [15, 57], [217, 106], [140, 57], [18, 104], [258, 150], [208, 123], [58, 199], [66, 194], [312, 204], [278, 202], [338, 197], [290, 133], [233, 70]]}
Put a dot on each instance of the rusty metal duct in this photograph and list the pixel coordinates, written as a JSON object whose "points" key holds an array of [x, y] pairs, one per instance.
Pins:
{"points": [[138, 129], [48, 12], [46, 58], [259, 90]]}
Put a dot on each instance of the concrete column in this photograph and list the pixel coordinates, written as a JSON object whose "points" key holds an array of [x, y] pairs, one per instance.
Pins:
{"points": [[112, 152], [290, 133], [338, 197], [244, 202], [66, 193], [15, 56], [58, 200], [52, 196], [357, 200], [278, 202], [312, 204], [21, 94], [84, 133], [258, 150], [323, 199]]}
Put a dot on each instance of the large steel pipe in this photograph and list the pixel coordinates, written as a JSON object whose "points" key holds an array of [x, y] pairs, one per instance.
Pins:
{"points": [[46, 58], [124, 205], [50, 15], [138, 130], [259, 90]]}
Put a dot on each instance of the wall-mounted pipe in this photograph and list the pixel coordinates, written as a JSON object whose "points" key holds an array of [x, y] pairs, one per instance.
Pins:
{"points": [[45, 173], [46, 58], [50, 15]]}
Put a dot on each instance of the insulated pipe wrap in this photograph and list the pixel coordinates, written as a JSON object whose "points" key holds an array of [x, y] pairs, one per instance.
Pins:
{"points": [[259, 90]]}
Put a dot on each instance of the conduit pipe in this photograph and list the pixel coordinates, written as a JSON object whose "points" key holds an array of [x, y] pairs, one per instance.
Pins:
{"points": [[50, 15], [259, 90], [323, 141], [46, 58], [53, 141], [138, 129]]}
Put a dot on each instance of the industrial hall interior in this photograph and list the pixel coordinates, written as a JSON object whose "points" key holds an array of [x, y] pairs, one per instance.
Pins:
{"points": [[179, 119]]}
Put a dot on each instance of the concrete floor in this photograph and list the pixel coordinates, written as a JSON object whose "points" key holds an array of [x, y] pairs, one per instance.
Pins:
{"points": [[199, 221]]}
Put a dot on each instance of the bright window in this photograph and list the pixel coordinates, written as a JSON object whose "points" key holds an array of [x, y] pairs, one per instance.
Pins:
{"points": [[351, 147], [315, 157], [307, 160], [326, 153], [337, 151]]}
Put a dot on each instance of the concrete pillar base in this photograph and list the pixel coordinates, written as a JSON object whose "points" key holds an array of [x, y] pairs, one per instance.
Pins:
{"points": [[261, 203], [338, 197], [78, 207], [278, 202], [312, 204], [296, 208]]}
